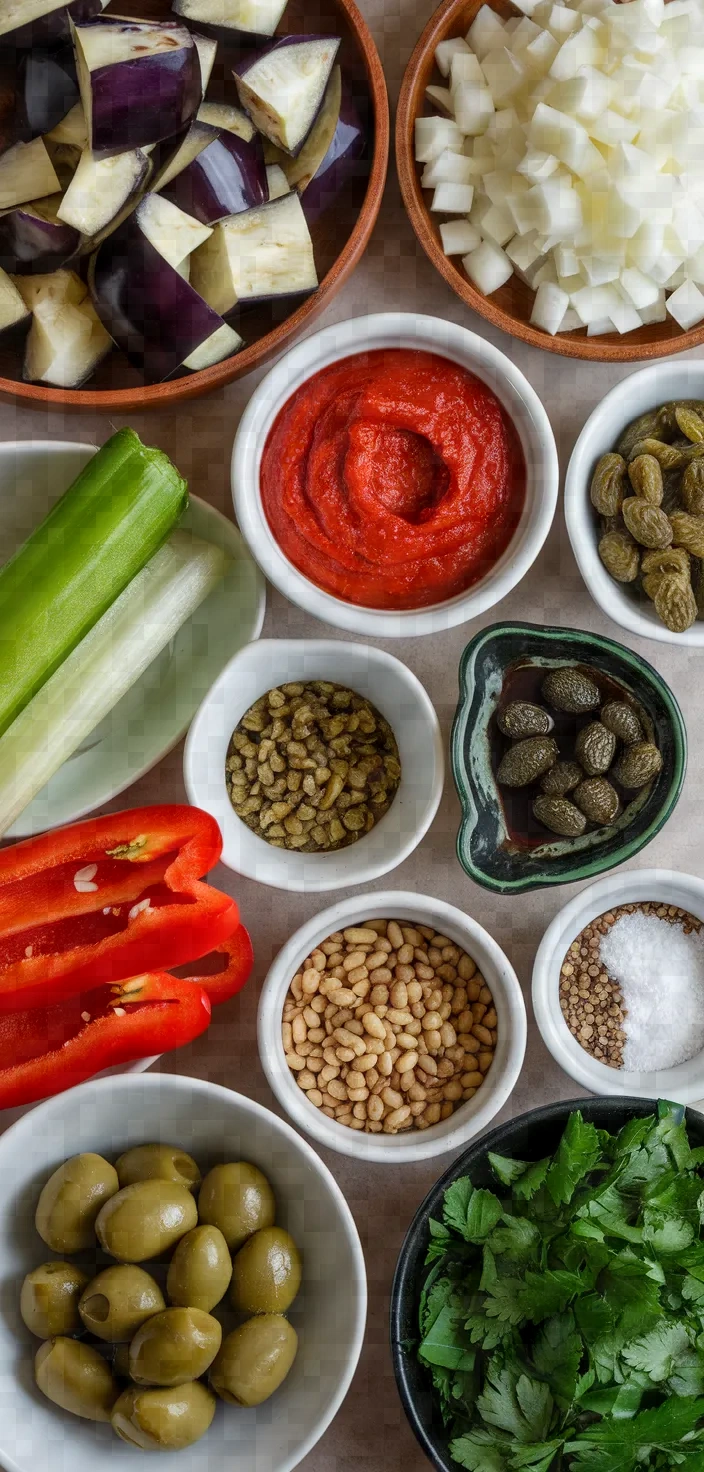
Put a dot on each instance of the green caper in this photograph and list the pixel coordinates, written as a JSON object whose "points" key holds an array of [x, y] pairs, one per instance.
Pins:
{"points": [[238, 1199], [49, 1299], [71, 1200], [145, 1219], [157, 1162], [266, 1273], [166, 1418], [76, 1377], [116, 1303], [200, 1269], [177, 1345], [254, 1360]]}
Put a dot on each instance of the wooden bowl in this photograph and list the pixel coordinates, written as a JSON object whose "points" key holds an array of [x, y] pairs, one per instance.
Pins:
{"points": [[339, 237], [509, 307]]}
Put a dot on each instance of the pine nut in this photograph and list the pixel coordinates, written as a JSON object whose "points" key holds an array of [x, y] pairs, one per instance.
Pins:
{"points": [[406, 1061], [397, 1117]]}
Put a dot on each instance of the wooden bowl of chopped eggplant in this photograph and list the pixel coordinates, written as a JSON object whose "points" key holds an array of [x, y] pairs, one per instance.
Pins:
{"points": [[178, 197], [530, 1306]]}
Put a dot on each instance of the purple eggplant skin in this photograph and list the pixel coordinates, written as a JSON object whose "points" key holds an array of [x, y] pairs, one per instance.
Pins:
{"points": [[150, 311], [144, 101], [52, 29], [47, 88], [343, 160], [31, 246], [227, 177]]}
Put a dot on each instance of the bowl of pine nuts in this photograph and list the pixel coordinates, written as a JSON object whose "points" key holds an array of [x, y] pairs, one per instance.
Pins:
{"points": [[392, 1027]]}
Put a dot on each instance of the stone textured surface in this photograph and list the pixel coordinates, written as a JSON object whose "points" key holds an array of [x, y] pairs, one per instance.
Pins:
{"points": [[370, 1433]]}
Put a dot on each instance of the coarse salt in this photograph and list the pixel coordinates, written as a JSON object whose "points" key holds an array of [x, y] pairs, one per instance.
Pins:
{"points": [[660, 971]]}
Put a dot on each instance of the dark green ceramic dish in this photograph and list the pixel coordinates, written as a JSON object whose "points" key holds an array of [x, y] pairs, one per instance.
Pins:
{"points": [[485, 846]]}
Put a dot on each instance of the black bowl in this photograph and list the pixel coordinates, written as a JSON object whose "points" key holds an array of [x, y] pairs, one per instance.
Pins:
{"points": [[529, 1137]]}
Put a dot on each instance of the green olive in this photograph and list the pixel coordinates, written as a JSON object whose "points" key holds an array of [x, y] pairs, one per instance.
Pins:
{"points": [[254, 1360], [145, 1219], [200, 1269], [49, 1299], [116, 1303], [178, 1345], [266, 1273], [71, 1200], [238, 1199], [157, 1162], [120, 1361], [77, 1378], [163, 1419]]}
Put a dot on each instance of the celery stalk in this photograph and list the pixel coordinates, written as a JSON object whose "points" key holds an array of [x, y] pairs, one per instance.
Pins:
{"points": [[93, 542], [103, 667]]}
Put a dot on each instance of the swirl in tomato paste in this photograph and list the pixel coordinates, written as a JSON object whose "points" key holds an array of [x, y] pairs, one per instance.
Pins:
{"points": [[393, 479]]}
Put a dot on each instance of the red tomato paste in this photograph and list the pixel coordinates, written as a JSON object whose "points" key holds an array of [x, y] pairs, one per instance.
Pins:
{"points": [[393, 479]]}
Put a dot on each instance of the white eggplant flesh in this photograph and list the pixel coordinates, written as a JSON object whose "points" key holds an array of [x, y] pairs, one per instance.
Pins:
{"points": [[223, 343], [28, 23], [225, 115], [100, 189], [72, 129], [248, 17], [56, 286], [300, 170], [172, 232], [258, 255], [13, 308], [26, 173], [198, 137], [276, 180], [207, 48], [140, 81], [283, 87], [66, 343]]}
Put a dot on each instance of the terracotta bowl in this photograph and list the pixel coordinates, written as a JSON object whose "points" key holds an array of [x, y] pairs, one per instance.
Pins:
{"points": [[509, 307], [339, 236]]}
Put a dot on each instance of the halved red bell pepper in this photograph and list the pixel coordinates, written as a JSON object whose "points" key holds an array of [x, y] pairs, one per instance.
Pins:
{"points": [[106, 899], [44, 1050]]}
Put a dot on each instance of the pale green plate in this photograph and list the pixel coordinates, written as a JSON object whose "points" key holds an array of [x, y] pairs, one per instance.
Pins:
{"points": [[157, 711]]}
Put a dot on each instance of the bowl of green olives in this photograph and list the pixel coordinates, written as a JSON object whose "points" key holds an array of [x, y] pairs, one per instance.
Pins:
{"points": [[181, 1273]]}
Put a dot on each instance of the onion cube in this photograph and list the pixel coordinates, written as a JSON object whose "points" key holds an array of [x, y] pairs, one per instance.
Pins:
{"points": [[444, 52], [458, 237], [432, 135], [525, 32], [486, 32], [488, 267], [549, 307], [474, 107], [537, 165], [594, 303], [449, 168], [599, 326], [584, 48], [624, 316], [540, 53], [504, 75], [641, 290], [452, 199], [658, 311], [497, 224], [570, 322], [441, 98], [611, 128], [558, 208], [523, 251], [465, 67], [686, 305]]}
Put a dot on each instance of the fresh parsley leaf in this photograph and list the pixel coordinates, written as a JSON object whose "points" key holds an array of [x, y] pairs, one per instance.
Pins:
{"points": [[506, 1170], [620, 1401], [488, 1333], [447, 1343], [659, 1429], [557, 1355], [441, 1241], [576, 1155], [483, 1213], [479, 1451], [666, 1234], [632, 1295], [688, 1375], [456, 1201], [538, 1456], [658, 1352], [525, 1187], [594, 1317], [516, 1403], [516, 1238]]}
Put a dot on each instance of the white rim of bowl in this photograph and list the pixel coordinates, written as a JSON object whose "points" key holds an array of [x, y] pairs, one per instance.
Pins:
{"points": [[123, 1083], [303, 884], [471, 1117], [301, 363], [603, 589], [562, 930]]}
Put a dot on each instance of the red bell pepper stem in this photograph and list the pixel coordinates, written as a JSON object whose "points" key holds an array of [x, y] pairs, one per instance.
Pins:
{"points": [[221, 985], [106, 899], [46, 1050]]}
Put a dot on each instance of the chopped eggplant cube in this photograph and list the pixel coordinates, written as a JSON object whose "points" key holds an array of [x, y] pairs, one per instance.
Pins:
{"points": [[174, 234], [226, 177], [33, 239], [248, 17], [140, 82], [282, 88], [25, 23], [26, 173], [100, 188], [207, 51], [223, 343], [224, 115], [47, 89], [256, 256], [13, 308], [197, 138], [66, 340]]}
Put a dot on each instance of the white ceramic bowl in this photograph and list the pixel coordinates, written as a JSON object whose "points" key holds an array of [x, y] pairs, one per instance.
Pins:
{"points": [[644, 390], [470, 1118], [397, 330], [154, 714], [685, 1083], [213, 1124], [391, 687]]}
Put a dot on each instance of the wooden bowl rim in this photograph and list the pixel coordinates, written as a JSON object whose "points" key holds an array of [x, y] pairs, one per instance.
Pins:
{"points": [[567, 345], [162, 395]]}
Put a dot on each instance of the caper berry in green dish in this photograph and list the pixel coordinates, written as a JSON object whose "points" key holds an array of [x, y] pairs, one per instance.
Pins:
{"points": [[312, 766]]}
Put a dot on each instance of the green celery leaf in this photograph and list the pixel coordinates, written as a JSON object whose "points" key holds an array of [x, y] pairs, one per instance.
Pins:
{"points": [[436, 1295], [584, 1384], [447, 1343], [672, 1131], [692, 1290], [666, 1234], [633, 1134], [619, 1401], [441, 1240], [483, 1213], [455, 1203], [504, 1300], [539, 1456], [658, 1352], [576, 1155], [550, 1292], [632, 1295], [532, 1179], [506, 1170], [594, 1317], [557, 1354], [517, 1238], [688, 1375], [659, 1429], [516, 1403], [479, 1451], [487, 1332]]}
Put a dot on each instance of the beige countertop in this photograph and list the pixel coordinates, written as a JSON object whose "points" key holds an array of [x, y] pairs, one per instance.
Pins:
{"points": [[370, 1432]]}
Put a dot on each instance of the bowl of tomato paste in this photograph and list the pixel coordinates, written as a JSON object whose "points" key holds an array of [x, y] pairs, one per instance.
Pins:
{"points": [[395, 475]]}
